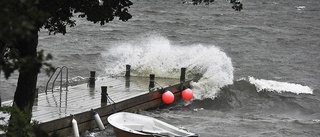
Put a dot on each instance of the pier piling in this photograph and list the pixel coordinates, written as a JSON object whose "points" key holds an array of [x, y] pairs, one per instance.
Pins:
{"points": [[151, 82], [104, 94], [127, 75], [92, 79], [183, 75], [127, 71]]}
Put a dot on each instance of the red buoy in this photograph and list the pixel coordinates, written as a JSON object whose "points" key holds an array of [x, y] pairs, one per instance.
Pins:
{"points": [[187, 94], [167, 97]]}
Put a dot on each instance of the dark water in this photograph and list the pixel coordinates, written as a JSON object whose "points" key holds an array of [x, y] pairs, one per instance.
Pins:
{"points": [[259, 67]]}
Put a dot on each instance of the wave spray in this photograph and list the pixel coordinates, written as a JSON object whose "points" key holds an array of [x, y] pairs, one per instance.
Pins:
{"points": [[155, 54]]}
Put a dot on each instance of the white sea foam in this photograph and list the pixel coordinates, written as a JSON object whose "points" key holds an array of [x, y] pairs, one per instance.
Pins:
{"points": [[156, 55], [271, 85], [300, 7]]}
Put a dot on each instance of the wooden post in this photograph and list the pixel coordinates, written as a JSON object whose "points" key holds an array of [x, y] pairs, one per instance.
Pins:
{"points": [[92, 123], [104, 94], [127, 71], [91, 92], [151, 83], [92, 79], [127, 84], [127, 75], [183, 75]]}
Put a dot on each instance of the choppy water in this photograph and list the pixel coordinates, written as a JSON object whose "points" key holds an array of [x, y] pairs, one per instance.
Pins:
{"points": [[259, 67]]}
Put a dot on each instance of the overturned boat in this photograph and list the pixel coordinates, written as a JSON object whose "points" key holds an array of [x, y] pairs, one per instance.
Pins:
{"points": [[134, 125]]}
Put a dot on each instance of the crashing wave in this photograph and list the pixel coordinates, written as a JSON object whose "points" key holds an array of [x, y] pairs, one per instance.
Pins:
{"points": [[271, 85]]}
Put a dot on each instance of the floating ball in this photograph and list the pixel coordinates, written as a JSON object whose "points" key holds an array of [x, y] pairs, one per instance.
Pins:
{"points": [[187, 94], [167, 97]]}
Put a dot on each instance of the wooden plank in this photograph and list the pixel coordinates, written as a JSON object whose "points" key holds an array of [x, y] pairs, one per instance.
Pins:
{"points": [[146, 101], [41, 116], [144, 106], [72, 103], [75, 97], [53, 110]]}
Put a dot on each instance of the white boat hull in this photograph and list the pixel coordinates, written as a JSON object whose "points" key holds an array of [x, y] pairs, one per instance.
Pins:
{"points": [[134, 125]]}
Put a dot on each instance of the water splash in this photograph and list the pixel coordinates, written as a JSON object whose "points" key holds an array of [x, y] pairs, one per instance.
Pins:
{"points": [[155, 54], [280, 87], [300, 7]]}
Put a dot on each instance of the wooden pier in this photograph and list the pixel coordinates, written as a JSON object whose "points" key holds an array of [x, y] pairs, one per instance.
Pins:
{"points": [[105, 96]]}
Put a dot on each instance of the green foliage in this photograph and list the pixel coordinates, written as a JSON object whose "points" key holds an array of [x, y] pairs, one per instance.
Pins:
{"points": [[4, 110], [19, 19], [21, 124], [11, 62], [61, 12], [28, 62], [20, 22]]}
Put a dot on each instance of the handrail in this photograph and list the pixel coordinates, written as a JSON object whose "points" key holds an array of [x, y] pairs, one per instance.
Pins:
{"points": [[59, 70], [51, 77]]}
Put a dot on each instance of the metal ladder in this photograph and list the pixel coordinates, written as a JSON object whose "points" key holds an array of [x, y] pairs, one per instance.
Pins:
{"points": [[58, 70]]}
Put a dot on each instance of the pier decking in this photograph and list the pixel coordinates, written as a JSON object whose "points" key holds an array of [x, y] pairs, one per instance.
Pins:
{"points": [[56, 109]]}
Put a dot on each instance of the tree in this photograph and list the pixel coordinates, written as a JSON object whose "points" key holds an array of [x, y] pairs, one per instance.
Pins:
{"points": [[20, 22]]}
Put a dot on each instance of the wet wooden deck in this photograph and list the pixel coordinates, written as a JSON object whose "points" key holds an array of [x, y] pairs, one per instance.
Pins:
{"points": [[54, 109]]}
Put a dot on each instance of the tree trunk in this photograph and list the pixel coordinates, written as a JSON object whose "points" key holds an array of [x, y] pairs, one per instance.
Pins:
{"points": [[25, 92], [28, 73]]}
